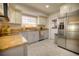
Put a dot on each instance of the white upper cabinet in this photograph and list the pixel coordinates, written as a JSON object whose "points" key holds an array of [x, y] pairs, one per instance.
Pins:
{"points": [[74, 7], [14, 15], [18, 17], [42, 21], [1, 9], [67, 8], [11, 15]]}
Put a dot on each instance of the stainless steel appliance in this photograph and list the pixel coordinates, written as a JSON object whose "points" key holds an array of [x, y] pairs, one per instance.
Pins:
{"points": [[69, 36], [43, 34], [60, 37], [72, 33]]}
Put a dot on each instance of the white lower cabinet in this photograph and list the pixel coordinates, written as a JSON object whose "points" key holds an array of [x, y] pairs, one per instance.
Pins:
{"points": [[31, 36], [44, 34], [15, 51]]}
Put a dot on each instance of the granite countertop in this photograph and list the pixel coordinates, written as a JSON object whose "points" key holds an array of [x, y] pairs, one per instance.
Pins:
{"points": [[11, 41]]}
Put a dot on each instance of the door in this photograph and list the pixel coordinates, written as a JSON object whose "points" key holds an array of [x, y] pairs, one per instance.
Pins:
{"points": [[73, 32], [33, 36], [61, 37], [73, 38], [61, 41]]}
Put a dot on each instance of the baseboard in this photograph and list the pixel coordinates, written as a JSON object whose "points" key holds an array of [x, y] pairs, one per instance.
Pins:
{"points": [[69, 50]]}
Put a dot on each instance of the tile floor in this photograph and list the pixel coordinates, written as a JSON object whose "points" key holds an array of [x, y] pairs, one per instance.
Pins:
{"points": [[47, 48]]}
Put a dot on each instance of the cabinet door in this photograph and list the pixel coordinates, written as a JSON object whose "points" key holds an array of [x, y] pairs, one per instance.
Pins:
{"points": [[60, 41], [42, 21], [73, 41], [30, 37], [36, 35], [25, 34], [74, 7], [46, 34], [18, 17], [11, 15], [25, 49], [1, 9], [33, 36], [41, 34], [16, 51]]}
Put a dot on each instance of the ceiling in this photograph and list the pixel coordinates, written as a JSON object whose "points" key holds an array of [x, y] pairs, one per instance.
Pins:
{"points": [[54, 7]]}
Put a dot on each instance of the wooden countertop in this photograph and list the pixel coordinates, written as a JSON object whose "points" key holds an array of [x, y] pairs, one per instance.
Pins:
{"points": [[26, 29], [11, 41]]}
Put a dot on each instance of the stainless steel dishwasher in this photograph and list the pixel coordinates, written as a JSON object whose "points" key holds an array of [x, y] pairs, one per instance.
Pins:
{"points": [[43, 34]]}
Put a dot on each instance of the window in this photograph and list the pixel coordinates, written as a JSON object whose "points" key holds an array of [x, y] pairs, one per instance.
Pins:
{"points": [[28, 20]]}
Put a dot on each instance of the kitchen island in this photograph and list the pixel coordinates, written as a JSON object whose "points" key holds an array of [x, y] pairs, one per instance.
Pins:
{"points": [[16, 42], [13, 45]]}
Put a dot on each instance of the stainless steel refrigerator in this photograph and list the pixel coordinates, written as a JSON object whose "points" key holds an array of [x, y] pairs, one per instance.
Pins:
{"points": [[72, 32], [68, 35]]}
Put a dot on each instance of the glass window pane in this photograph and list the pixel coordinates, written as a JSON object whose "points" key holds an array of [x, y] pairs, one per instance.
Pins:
{"points": [[28, 20]]}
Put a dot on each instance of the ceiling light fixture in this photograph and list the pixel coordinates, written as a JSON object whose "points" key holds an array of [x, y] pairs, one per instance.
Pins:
{"points": [[47, 6]]}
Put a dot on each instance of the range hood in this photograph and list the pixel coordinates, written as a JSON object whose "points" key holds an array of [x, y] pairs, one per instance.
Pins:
{"points": [[5, 9]]}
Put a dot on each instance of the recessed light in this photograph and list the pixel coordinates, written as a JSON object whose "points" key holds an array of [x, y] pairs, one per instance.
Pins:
{"points": [[47, 6]]}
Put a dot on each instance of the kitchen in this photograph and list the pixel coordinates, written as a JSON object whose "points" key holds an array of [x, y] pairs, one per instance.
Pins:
{"points": [[38, 29]]}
